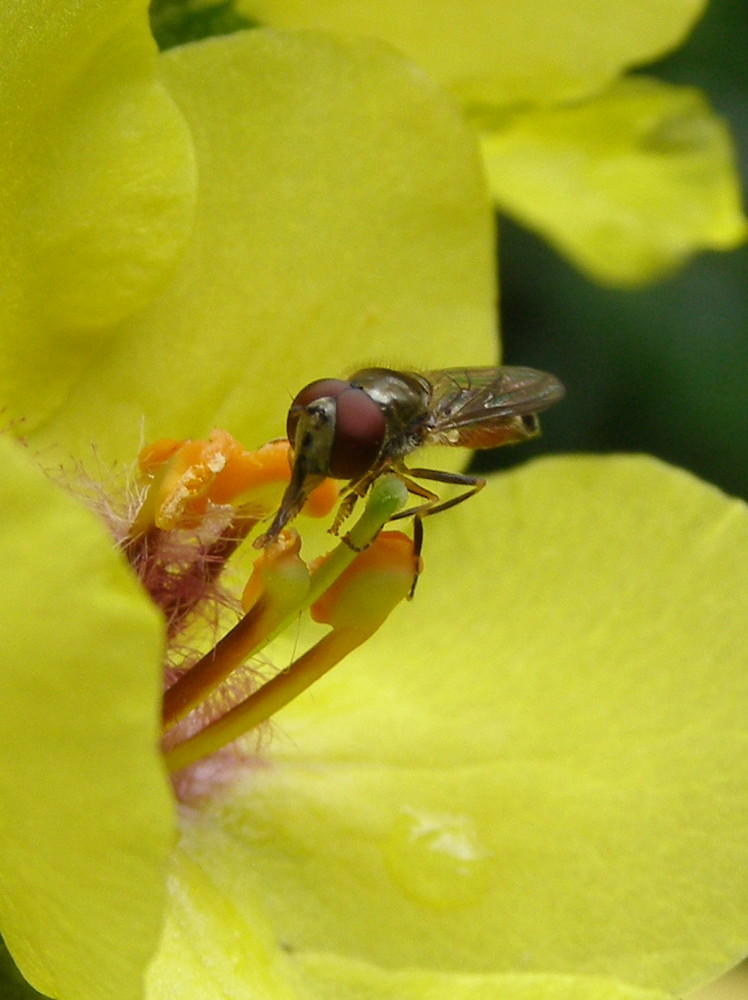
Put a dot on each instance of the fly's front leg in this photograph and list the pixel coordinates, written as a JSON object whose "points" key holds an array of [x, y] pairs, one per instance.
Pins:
{"points": [[353, 493], [344, 511]]}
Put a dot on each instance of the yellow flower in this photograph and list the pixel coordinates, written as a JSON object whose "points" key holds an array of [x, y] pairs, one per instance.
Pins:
{"points": [[530, 782], [626, 175]]}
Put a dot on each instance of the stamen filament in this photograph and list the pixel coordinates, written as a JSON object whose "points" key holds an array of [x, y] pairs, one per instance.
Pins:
{"points": [[267, 700], [249, 636], [273, 613]]}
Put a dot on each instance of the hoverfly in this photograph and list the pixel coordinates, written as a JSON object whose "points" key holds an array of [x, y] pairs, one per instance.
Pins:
{"points": [[359, 428]]}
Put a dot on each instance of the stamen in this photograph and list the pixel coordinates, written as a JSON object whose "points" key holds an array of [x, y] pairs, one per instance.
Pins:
{"points": [[353, 589], [202, 499]]}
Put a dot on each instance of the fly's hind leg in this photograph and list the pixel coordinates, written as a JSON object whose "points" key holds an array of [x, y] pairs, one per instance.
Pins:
{"points": [[417, 546], [432, 504]]}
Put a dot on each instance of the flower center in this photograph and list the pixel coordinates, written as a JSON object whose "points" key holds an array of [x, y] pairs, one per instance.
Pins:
{"points": [[201, 499]]}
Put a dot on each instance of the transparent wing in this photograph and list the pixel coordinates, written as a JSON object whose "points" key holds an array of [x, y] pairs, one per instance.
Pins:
{"points": [[475, 407]]}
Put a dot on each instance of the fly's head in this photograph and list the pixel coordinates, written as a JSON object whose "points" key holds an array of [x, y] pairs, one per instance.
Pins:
{"points": [[336, 430]]}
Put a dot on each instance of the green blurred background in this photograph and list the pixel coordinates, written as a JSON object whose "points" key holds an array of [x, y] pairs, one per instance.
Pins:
{"points": [[662, 370]]}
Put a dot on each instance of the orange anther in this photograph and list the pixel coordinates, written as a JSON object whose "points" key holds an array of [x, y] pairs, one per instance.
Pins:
{"points": [[322, 499], [155, 454], [186, 475]]}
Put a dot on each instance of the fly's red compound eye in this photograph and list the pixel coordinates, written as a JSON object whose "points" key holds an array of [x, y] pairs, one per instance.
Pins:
{"points": [[359, 425]]}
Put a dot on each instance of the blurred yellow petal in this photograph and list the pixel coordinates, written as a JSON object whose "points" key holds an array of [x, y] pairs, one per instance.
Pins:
{"points": [[96, 189], [538, 764], [212, 949], [328, 977], [628, 184], [85, 812], [342, 218], [541, 50]]}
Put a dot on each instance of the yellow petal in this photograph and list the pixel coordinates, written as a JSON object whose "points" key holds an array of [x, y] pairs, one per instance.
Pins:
{"points": [[540, 50], [628, 184], [539, 763], [85, 812], [96, 189], [342, 218]]}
